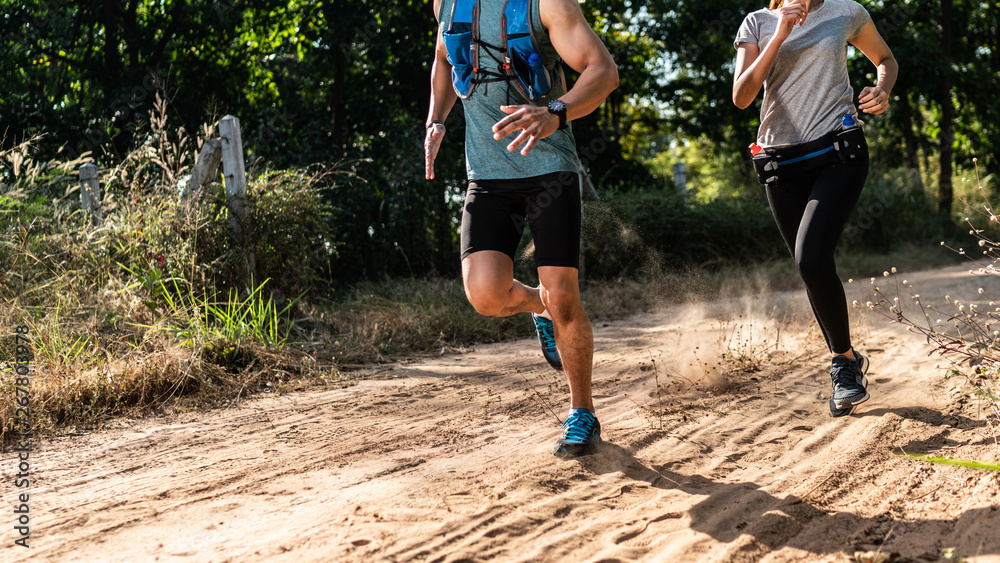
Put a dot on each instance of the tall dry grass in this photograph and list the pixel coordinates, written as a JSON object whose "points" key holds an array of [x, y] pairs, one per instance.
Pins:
{"points": [[965, 330], [151, 310]]}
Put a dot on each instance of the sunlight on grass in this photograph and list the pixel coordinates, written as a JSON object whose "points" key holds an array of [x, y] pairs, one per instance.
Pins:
{"points": [[954, 462]]}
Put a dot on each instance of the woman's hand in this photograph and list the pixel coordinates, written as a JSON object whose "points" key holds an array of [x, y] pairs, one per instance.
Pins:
{"points": [[789, 15], [753, 63], [873, 100]]}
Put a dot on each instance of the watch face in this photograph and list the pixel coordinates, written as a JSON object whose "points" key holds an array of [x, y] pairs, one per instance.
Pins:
{"points": [[557, 106]]}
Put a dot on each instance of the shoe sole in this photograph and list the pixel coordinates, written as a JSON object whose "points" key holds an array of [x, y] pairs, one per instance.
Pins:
{"points": [[853, 401], [573, 450], [863, 364], [566, 448], [846, 410], [556, 366], [836, 411]]}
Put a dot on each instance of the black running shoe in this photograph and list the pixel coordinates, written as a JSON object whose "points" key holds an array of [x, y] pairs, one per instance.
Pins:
{"points": [[850, 386], [547, 338], [581, 435]]}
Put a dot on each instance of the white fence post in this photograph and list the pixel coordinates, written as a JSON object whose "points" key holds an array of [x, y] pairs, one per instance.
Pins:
{"points": [[236, 181], [680, 180], [587, 189], [587, 192], [90, 193], [233, 168]]}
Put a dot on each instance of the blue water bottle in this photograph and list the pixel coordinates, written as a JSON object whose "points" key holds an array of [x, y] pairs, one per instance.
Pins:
{"points": [[540, 81], [850, 142]]}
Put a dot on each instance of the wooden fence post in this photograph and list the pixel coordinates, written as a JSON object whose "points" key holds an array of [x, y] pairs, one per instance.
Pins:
{"points": [[236, 181], [205, 169], [90, 193]]}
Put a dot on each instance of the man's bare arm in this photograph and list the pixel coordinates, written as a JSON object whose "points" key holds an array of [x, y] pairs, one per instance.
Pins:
{"points": [[443, 98], [584, 52]]}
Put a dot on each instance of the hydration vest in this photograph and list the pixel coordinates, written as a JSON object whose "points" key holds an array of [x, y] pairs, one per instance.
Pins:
{"points": [[518, 59]]}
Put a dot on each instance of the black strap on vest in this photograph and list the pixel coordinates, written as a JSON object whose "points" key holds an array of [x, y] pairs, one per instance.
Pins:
{"points": [[503, 71]]}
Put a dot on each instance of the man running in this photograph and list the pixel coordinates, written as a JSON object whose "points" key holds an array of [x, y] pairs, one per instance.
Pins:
{"points": [[503, 74]]}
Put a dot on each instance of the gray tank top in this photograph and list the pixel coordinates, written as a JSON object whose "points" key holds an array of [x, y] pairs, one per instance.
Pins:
{"points": [[485, 158]]}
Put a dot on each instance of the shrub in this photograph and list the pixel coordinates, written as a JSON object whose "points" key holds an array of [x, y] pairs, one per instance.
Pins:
{"points": [[632, 232]]}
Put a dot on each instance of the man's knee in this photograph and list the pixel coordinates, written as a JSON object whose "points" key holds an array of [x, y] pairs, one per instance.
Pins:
{"points": [[487, 299], [488, 278], [562, 300], [486, 305]]}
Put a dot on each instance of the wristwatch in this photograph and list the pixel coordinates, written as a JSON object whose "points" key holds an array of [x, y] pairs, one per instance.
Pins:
{"points": [[559, 108]]}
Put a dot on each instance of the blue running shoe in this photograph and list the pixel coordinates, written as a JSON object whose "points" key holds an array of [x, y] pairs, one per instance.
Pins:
{"points": [[850, 386], [581, 435], [547, 338]]}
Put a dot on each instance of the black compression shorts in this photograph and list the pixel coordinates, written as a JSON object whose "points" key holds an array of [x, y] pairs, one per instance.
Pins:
{"points": [[496, 211]]}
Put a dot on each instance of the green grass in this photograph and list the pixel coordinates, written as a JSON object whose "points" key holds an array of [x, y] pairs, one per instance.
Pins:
{"points": [[953, 462]]}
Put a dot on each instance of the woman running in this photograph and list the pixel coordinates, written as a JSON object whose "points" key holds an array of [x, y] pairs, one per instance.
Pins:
{"points": [[810, 153]]}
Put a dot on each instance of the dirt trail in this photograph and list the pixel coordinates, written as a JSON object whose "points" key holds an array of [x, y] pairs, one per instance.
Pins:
{"points": [[448, 459]]}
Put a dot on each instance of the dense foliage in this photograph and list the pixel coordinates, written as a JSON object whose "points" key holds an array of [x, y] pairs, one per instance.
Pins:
{"points": [[346, 82]]}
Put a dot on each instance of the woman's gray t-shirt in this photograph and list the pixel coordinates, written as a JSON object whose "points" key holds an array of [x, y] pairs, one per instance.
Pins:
{"points": [[807, 91]]}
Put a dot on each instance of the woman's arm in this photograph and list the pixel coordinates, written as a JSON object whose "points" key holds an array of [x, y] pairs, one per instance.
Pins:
{"points": [[875, 99], [752, 64]]}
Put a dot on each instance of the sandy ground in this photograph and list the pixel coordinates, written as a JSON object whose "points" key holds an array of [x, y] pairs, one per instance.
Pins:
{"points": [[447, 459]]}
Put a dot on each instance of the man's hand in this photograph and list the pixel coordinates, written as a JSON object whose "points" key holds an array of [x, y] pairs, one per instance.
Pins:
{"points": [[534, 122], [873, 100], [432, 142]]}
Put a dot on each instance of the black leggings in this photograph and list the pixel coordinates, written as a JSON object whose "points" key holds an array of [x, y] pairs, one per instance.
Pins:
{"points": [[811, 209]]}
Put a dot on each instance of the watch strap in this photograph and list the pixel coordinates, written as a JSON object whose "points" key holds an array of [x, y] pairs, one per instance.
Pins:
{"points": [[561, 114]]}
